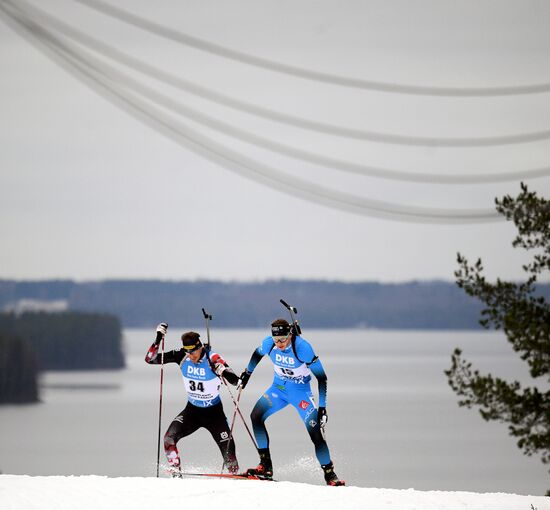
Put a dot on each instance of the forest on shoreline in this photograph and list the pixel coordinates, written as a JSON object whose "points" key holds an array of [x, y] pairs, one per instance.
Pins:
{"points": [[326, 304], [33, 342]]}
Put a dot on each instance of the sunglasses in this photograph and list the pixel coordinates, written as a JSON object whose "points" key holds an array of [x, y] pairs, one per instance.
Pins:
{"points": [[280, 339], [191, 348]]}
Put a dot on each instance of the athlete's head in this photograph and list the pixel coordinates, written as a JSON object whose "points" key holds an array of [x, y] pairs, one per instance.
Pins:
{"points": [[281, 333], [192, 345]]}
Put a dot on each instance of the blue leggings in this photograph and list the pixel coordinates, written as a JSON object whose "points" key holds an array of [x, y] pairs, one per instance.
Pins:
{"points": [[275, 398]]}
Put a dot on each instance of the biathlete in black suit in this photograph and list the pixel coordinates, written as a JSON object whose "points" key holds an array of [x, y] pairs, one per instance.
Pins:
{"points": [[202, 372]]}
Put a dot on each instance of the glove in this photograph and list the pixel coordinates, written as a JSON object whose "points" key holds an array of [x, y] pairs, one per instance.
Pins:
{"points": [[322, 417], [220, 367], [244, 378], [161, 330]]}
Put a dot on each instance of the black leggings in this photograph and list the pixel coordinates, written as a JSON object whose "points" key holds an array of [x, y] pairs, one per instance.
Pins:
{"points": [[191, 419]]}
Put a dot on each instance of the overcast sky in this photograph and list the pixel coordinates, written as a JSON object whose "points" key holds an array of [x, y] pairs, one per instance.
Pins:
{"points": [[87, 191]]}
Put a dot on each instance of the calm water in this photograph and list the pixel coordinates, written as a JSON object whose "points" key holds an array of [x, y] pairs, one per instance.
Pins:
{"points": [[393, 420]]}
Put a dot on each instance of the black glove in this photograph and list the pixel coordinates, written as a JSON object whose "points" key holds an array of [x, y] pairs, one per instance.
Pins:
{"points": [[161, 331], [322, 416], [244, 378]]}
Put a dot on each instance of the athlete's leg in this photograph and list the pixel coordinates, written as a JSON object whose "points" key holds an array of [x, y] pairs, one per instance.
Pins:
{"points": [[273, 400], [215, 422], [305, 405], [304, 402], [182, 425], [270, 402]]}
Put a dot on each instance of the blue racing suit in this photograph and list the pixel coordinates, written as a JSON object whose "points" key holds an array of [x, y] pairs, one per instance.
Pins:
{"points": [[293, 367]]}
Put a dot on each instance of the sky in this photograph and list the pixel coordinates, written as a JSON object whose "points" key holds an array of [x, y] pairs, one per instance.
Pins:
{"points": [[89, 191]]}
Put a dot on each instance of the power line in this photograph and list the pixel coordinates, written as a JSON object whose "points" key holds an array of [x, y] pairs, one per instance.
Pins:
{"points": [[357, 134], [228, 158], [332, 163], [307, 74]]}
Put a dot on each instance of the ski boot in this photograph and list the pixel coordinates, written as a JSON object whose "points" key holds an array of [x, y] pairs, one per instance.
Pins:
{"points": [[173, 471], [232, 466], [176, 472], [330, 476], [174, 464], [265, 468]]}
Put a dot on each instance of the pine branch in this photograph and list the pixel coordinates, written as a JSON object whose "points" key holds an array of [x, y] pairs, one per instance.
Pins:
{"points": [[525, 319], [527, 411]]}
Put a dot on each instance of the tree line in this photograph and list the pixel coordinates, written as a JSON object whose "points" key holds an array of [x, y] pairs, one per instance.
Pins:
{"points": [[32, 342], [321, 304]]}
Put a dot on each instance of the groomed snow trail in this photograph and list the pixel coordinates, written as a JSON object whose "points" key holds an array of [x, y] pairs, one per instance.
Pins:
{"points": [[18, 492]]}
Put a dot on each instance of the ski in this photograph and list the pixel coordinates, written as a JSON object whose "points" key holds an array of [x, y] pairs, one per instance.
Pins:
{"points": [[238, 476]]}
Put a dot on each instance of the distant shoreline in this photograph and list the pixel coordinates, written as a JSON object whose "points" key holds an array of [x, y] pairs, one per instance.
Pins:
{"points": [[413, 305]]}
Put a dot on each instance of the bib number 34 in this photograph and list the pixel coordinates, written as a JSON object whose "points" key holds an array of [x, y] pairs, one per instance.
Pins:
{"points": [[196, 386]]}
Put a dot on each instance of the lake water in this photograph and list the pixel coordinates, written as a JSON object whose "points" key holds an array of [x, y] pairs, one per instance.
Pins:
{"points": [[393, 420]]}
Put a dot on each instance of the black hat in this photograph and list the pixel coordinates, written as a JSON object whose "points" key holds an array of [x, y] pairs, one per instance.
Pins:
{"points": [[280, 327], [191, 341]]}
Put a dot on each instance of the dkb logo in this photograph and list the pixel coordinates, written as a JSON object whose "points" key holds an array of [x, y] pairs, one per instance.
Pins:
{"points": [[284, 359]]}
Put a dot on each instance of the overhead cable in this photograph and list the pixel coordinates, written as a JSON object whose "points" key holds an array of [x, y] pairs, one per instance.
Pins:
{"points": [[246, 136], [280, 67], [346, 132], [226, 157]]}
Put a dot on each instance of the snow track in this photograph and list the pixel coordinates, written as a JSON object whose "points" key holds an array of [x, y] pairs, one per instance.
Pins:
{"points": [[101, 493]]}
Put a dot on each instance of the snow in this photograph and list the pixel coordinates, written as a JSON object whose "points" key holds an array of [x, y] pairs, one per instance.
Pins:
{"points": [[21, 492]]}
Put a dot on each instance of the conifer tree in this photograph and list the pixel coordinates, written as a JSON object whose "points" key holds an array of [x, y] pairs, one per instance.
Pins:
{"points": [[524, 317]]}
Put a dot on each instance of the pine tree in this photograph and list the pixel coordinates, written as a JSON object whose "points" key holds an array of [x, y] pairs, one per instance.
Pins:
{"points": [[524, 316]]}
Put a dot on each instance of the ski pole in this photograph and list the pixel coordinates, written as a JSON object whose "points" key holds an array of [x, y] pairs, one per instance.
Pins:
{"points": [[231, 430], [207, 318], [160, 401], [237, 408], [292, 310]]}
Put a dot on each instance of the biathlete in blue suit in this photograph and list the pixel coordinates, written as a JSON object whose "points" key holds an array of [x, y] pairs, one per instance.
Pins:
{"points": [[202, 371], [293, 362]]}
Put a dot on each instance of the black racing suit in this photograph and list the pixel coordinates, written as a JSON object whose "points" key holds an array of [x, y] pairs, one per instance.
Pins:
{"points": [[209, 414]]}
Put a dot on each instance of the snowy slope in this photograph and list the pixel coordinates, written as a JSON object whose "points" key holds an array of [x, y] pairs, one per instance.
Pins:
{"points": [[101, 493]]}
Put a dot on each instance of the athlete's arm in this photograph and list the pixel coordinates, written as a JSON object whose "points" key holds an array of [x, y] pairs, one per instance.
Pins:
{"points": [[305, 352], [256, 357], [222, 369], [319, 372], [153, 357], [230, 376]]}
